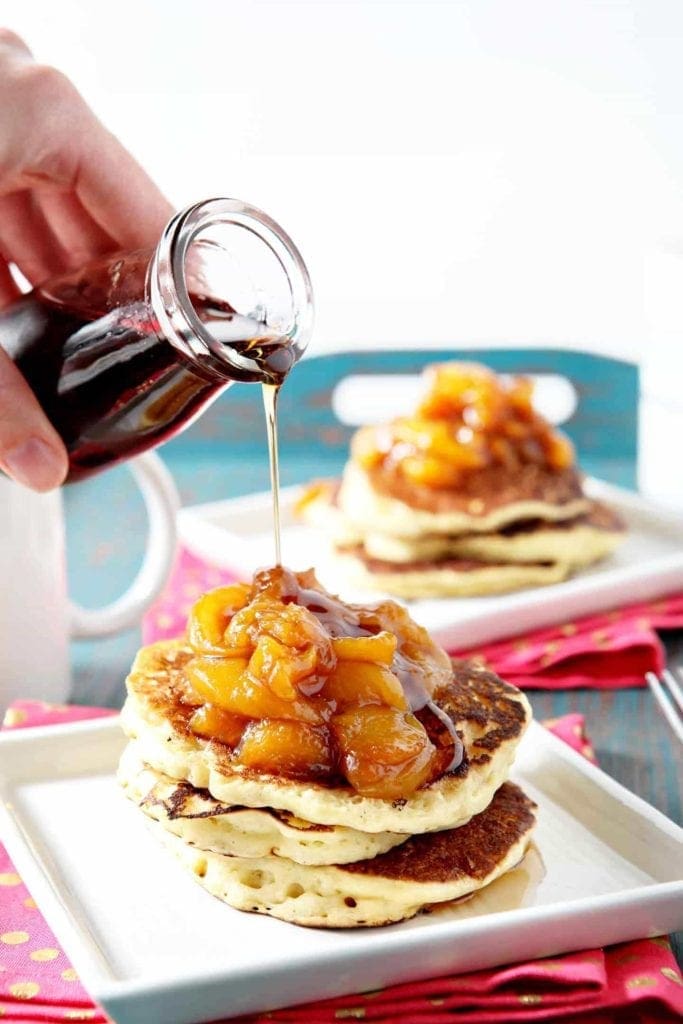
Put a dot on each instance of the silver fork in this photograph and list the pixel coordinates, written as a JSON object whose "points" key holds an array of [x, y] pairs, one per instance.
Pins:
{"points": [[663, 688]]}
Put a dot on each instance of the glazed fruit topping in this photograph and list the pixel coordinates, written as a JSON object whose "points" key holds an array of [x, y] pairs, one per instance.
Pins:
{"points": [[468, 420], [298, 683]]}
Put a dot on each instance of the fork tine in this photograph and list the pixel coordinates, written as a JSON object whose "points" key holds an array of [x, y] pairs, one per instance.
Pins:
{"points": [[665, 704], [674, 687]]}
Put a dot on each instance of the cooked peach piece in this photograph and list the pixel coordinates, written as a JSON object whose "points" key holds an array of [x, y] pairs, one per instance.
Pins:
{"points": [[212, 613], [559, 450], [215, 724], [239, 635], [384, 752], [214, 678], [428, 471], [281, 667], [289, 624], [314, 491], [295, 627], [359, 682], [367, 447], [379, 648], [226, 683], [450, 386], [289, 748], [521, 395]]}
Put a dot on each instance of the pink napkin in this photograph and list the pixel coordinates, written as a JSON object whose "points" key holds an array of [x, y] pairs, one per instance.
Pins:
{"points": [[603, 651], [606, 651], [38, 984]]}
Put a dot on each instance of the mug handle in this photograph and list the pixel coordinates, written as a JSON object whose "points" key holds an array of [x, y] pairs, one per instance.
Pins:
{"points": [[162, 502]]}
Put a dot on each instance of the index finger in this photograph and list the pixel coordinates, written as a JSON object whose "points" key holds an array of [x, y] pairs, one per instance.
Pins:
{"points": [[118, 193]]}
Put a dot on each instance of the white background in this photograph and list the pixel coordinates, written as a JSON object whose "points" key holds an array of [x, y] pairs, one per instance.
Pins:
{"points": [[473, 172]]}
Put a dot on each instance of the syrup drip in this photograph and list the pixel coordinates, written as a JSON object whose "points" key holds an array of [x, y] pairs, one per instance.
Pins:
{"points": [[458, 750]]}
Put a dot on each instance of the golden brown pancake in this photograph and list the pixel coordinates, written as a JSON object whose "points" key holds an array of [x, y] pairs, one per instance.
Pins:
{"points": [[369, 504], [489, 715], [577, 541], [483, 492], [449, 577], [428, 869], [200, 820], [525, 552]]}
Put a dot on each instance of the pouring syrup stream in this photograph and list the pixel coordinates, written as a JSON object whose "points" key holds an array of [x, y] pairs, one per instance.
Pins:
{"points": [[270, 397]]}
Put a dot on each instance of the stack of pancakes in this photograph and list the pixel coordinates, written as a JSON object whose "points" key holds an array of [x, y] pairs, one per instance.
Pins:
{"points": [[510, 522], [316, 853]]}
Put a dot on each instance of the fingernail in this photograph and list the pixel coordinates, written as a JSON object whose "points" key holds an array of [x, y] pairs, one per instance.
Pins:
{"points": [[35, 464]]}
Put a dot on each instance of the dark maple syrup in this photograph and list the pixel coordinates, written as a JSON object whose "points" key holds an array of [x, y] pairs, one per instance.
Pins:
{"points": [[112, 385]]}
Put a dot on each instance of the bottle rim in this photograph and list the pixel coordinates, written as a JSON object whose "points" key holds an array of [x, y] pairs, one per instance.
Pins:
{"points": [[172, 305]]}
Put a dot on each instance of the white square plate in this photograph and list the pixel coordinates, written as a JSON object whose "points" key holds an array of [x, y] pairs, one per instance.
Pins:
{"points": [[151, 945], [238, 534]]}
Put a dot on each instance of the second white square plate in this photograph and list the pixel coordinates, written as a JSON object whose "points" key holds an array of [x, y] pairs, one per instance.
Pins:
{"points": [[238, 534]]}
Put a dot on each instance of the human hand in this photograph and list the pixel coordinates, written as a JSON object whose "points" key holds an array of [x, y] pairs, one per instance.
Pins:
{"points": [[69, 191]]}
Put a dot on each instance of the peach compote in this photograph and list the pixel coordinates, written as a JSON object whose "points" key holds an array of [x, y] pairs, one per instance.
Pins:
{"points": [[468, 420], [299, 684]]}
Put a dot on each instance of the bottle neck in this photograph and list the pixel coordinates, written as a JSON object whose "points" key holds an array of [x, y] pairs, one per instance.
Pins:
{"points": [[231, 292]]}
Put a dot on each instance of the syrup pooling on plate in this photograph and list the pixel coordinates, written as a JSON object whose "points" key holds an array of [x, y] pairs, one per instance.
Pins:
{"points": [[298, 683]]}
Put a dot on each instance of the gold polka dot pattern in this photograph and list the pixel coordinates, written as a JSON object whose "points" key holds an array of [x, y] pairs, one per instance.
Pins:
{"points": [[42, 955], [642, 981], [14, 938], [14, 717], [24, 989]]}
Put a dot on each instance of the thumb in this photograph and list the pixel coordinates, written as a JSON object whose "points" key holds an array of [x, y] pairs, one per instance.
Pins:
{"points": [[31, 451]]}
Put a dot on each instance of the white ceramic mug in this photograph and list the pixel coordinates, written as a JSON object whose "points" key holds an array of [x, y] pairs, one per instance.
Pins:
{"points": [[37, 620]]}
